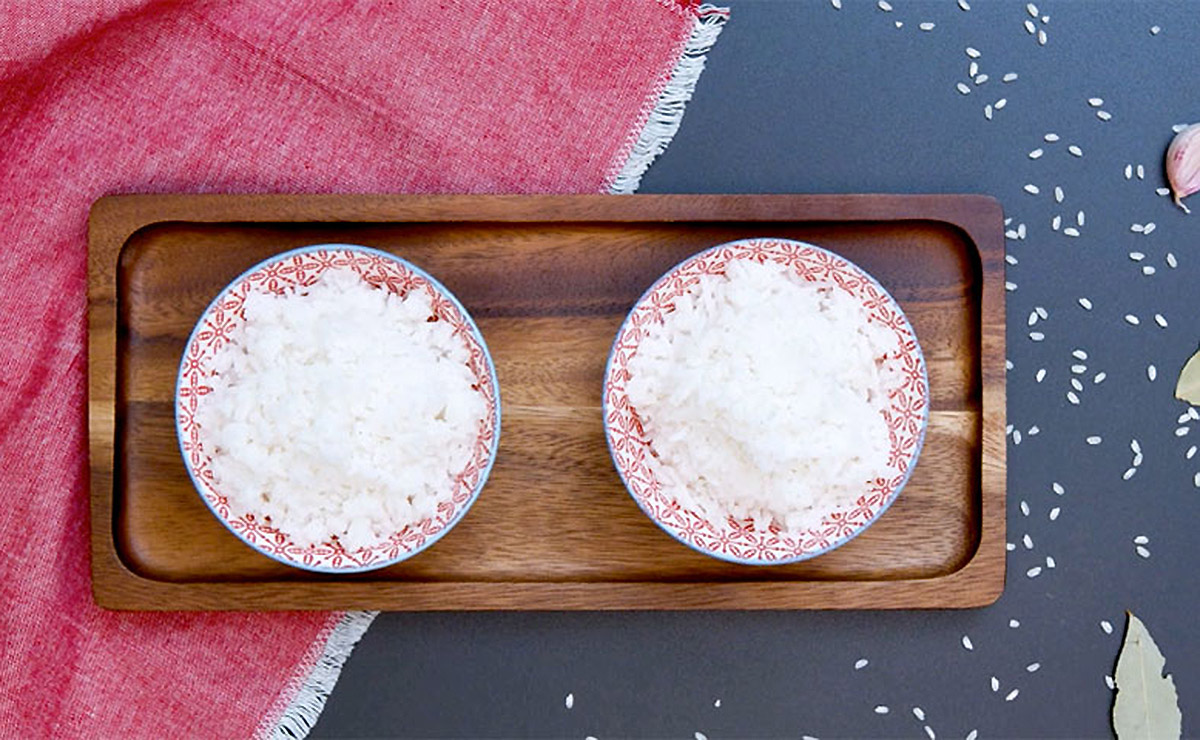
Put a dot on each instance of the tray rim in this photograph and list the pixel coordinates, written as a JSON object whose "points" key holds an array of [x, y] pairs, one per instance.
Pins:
{"points": [[114, 219]]}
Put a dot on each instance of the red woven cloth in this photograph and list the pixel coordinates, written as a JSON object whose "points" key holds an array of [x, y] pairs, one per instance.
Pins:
{"points": [[112, 96]]}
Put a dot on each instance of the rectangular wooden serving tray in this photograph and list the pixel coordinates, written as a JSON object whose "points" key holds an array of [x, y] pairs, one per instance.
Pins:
{"points": [[549, 280]]}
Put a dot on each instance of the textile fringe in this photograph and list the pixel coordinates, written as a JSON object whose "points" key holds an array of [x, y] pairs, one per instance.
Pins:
{"points": [[664, 118], [301, 713]]}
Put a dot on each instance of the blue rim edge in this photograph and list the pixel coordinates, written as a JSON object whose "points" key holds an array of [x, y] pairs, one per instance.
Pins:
{"points": [[487, 471], [836, 543]]}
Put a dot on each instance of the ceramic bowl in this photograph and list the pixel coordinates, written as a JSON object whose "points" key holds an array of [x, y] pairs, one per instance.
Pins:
{"points": [[300, 267], [747, 541]]}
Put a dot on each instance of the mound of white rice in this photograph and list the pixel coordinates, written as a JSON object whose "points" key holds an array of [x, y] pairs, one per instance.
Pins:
{"points": [[762, 395], [340, 409]]}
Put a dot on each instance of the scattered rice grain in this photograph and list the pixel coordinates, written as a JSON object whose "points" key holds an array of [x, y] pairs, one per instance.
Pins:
{"points": [[1141, 172], [1031, 9], [1036, 153], [1057, 488], [1017, 437], [1033, 667], [1076, 384], [1075, 150], [999, 103], [1182, 431], [1137, 228], [1079, 369], [1108, 681], [1012, 695], [1056, 222], [1071, 231], [1050, 562], [973, 52], [930, 733], [1051, 137], [1160, 320], [885, 6], [1027, 541], [1151, 372], [995, 684], [962, 88], [1171, 262], [987, 111], [1079, 354], [1034, 572], [1036, 336], [1079, 218], [919, 713], [1129, 473], [1074, 399], [1087, 305], [861, 663], [1154, 30], [964, 5], [569, 701], [1162, 191], [966, 643], [1131, 319], [1191, 452], [1141, 539], [1106, 626], [1095, 102], [1034, 430], [1041, 36], [1099, 378], [1054, 513], [1009, 77], [881, 709], [1142, 551], [1128, 172], [1094, 440], [1103, 115], [927, 26], [1032, 29], [1014, 623], [1041, 375], [1149, 228]]}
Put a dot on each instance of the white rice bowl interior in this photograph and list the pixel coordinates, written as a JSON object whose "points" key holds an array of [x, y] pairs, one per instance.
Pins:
{"points": [[763, 395], [339, 410]]}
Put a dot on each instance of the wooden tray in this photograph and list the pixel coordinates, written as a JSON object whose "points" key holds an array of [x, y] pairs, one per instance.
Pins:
{"points": [[548, 279]]}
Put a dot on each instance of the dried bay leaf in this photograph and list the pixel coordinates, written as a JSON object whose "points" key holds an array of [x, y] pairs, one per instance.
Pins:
{"points": [[1188, 387], [1147, 705]]}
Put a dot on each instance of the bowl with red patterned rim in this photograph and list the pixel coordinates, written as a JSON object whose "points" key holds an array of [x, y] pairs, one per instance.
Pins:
{"points": [[286, 272], [745, 540]]}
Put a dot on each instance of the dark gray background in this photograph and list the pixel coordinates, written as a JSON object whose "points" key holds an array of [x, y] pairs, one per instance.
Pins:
{"points": [[800, 97]]}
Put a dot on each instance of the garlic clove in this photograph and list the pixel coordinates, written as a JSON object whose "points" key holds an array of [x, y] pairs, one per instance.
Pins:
{"points": [[1183, 164]]}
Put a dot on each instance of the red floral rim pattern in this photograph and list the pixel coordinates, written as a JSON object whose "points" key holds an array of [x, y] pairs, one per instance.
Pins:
{"points": [[742, 540], [213, 330]]}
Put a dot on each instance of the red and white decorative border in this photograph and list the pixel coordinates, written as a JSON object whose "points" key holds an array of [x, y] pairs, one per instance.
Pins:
{"points": [[746, 541], [302, 268]]}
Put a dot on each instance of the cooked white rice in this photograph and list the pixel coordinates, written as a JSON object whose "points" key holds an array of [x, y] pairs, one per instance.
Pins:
{"points": [[340, 410], [763, 394]]}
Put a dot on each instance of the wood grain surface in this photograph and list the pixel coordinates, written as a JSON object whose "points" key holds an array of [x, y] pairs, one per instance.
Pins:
{"points": [[549, 280]]}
